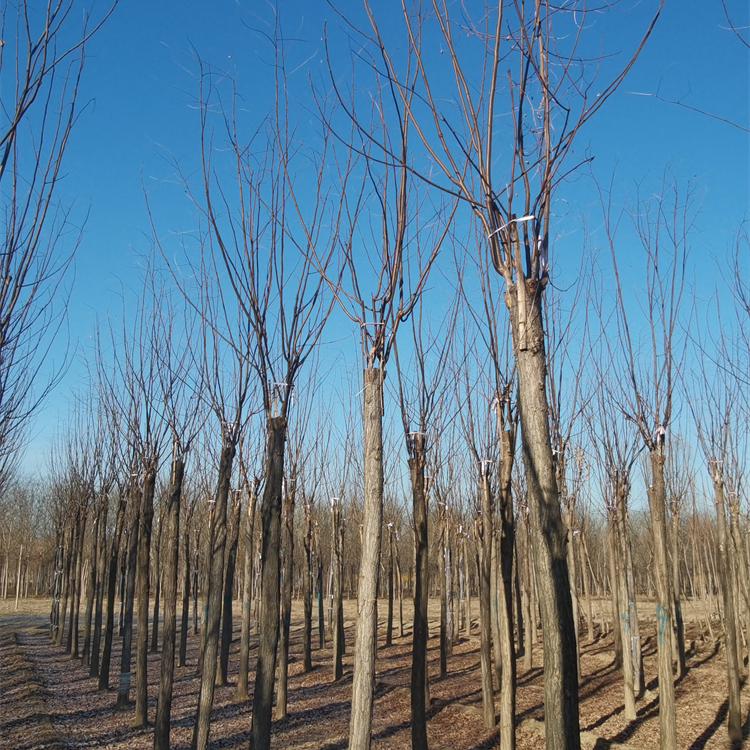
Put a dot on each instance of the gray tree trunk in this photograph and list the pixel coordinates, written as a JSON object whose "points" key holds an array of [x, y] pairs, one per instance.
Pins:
{"points": [[505, 598], [100, 581], [247, 588], [421, 595], [226, 609], [270, 580], [169, 635], [484, 553], [123, 690], [547, 529], [664, 599], [365, 647], [109, 626], [337, 619], [734, 724], [215, 584], [144, 581], [287, 581]]}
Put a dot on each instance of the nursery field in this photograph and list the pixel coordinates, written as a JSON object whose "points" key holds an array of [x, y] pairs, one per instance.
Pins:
{"points": [[48, 701]]}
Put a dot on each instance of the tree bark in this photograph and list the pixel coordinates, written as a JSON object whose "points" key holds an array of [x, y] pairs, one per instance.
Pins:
{"points": [[547, 528], [123, 691], [184, 622], [144, 582], [337, 619], [365, 647], [421, 594], [157, 590], [505, 603], [99, 594], [307, 587], [169, 635], [226, 610], [215, 584], [247, 588], [664, 598], [485, 611], [270, 575], [287, 573], [734, 723], [109, 627]]}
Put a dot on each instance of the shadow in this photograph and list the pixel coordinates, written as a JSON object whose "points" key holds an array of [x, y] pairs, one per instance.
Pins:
{"points": [[603, 719]]}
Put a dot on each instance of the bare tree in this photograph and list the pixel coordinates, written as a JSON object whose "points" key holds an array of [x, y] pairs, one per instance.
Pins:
{"points": [[40, 73], [650, 362], [458, 105], [264, 249]]}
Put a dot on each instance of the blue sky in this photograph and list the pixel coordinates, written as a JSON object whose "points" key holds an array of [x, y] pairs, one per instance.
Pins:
{"points": [[140, 80]]}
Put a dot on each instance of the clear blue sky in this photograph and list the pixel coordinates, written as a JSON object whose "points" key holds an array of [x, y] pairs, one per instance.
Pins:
{"points": [[140, 80]]}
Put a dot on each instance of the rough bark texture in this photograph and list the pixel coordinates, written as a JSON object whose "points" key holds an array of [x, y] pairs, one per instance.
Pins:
{"points": [[485, 611], [734, 723], [421, 594], [270, 573], [109, 626], [217, 545], [123, 691], [365, 647], [657, 505], [144, 580], [157, 589], [307, 591], [337, 619], [226, 609], [169, 635], [287, 579], [505, 603], [182, 658], [547, 528], [246, 595], [99, 602]]}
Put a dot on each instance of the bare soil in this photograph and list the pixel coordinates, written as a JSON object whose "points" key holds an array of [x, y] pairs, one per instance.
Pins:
{"points": [[48, 701]]}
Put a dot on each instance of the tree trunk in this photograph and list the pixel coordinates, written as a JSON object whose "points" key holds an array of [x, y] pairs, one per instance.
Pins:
{"points": [[123, 690], [321, 617], [730, 617], [484, 560], [54, 618], [505, 598], [171, 566], [109, 627], [93, 582], [270, 574], [674, 543], [307, 587], [99, 594], [586, 581], [247, 588], [664, 598], [144, 582], [157, 590], [421, 594], [547, 528], [337, 619], [623, 598], [226, 610], [287, 572], [184, 624], [365, 647], [215, 584], [389, 618]]}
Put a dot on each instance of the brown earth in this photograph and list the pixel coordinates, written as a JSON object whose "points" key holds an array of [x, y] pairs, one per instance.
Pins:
{"points": [[48, 701]]}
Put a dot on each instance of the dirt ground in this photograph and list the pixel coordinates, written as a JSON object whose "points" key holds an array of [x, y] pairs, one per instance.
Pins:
{"points": [[48, 701]]}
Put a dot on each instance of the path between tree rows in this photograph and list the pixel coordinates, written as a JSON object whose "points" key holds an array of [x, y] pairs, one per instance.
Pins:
{"points": [[48, 701]]}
